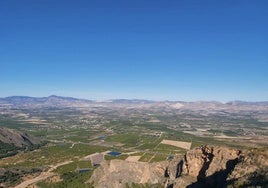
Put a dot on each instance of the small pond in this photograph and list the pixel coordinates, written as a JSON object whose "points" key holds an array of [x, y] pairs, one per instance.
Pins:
{"points": [[114, 153]]}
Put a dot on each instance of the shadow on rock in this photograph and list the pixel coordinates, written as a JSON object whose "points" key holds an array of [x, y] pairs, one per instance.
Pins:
{"points": [[216, 180]]}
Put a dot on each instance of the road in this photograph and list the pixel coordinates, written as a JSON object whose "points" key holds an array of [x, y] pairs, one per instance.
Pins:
{"points": [[42, 176]]}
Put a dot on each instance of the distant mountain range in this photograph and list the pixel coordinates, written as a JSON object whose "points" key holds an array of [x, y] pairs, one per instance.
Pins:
{"points": [[58, 101], [51, 101]]}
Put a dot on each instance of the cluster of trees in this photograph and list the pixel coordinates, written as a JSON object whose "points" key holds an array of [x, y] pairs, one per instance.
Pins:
{"points": [[12, 176], [70, 179], [7, 150]]}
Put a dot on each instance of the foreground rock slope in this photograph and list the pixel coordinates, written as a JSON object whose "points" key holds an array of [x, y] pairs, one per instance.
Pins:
{"points": [[206, 166]]}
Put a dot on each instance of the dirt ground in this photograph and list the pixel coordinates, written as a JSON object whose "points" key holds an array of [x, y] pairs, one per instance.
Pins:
{"points": [[42, 176], [184, 145], [133, 158]]}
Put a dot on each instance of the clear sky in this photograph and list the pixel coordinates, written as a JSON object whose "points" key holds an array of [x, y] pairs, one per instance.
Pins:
{"points": [[148, 49]]}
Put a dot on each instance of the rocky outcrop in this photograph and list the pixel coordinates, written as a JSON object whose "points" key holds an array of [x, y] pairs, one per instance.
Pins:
{"points": [[251, 170], [117, 173], [207, 166]]}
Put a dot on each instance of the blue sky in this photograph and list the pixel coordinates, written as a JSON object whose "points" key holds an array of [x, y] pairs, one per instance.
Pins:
{"points": [[162, 50]]}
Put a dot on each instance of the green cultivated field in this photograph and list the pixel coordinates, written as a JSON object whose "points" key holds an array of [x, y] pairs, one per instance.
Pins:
{"points": [[71, 135]]}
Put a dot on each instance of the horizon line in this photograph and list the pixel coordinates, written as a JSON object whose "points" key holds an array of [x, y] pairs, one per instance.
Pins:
{"points": [[146, 99]]}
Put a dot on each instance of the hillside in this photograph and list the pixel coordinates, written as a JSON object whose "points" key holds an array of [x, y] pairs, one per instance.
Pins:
{"points": [[11, 141]]}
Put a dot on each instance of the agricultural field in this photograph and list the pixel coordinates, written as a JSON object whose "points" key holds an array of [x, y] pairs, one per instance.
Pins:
{"points": [[150, 134]]}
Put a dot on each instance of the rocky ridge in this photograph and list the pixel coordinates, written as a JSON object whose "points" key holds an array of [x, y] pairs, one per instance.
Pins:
{"points": [[206, 166], [13, 141], [17, 138]]}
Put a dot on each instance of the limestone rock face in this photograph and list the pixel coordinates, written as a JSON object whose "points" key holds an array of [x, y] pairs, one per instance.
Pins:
{"points": [[251, 169], [117, 173], [205, 161], [207, 166], [197, 159], [221, 159]]}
